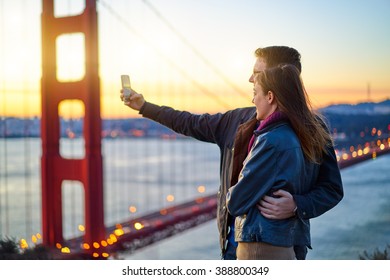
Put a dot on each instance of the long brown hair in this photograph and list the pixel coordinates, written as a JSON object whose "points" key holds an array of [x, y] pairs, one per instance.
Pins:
{"points": [[286, 83]]}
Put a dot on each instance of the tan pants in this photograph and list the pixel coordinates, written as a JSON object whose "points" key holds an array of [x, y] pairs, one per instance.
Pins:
{"points": [[263, 251]]}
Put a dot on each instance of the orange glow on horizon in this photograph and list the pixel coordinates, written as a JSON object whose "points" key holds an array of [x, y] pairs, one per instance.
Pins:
{"points": [[27, 103]]}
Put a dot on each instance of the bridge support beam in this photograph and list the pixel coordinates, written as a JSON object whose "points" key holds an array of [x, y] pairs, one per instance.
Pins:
{"points": [[54, 168]]}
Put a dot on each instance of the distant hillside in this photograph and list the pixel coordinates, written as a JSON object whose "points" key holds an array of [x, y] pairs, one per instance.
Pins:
{"points": [[360, 123], [367, 108]]}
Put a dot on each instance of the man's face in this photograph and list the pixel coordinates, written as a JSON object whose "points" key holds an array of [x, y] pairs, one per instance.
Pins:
{"points": [[259, 66]]}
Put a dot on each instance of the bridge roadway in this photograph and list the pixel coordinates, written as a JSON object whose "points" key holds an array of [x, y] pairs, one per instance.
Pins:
{"points": [[143, 231]]}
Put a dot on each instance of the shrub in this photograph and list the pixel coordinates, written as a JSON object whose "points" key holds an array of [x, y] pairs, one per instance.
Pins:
{"points": [[10, 250], [377, 254]]}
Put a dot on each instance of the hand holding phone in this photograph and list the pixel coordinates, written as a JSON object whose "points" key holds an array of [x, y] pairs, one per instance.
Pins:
{"points": [[126, 86], [137, 101]]}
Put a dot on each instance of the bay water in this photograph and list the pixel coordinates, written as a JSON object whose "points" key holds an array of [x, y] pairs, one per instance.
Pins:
{"points": [[150, 174]]}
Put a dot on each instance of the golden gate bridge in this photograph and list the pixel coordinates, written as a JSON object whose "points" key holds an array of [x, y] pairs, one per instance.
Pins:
{"points": [[98, 240]]}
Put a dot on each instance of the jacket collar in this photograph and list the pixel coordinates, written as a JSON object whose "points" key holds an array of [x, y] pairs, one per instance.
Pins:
{"points": [[273, 120]]}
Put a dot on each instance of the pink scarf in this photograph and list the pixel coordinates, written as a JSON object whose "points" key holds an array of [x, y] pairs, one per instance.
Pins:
{"points": [[274, 117]]}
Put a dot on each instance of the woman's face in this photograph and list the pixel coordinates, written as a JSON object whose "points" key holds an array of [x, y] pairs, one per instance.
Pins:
{"points": [[262, 101]]}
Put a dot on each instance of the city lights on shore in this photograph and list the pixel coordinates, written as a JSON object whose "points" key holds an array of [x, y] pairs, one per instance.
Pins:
{"points": [[369, 148]]}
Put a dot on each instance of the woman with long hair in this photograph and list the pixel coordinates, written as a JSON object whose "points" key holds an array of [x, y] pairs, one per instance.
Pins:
{"points": [[285, 152]]}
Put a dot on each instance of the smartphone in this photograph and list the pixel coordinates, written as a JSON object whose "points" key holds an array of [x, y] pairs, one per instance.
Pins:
{"points": [[126, 86]]}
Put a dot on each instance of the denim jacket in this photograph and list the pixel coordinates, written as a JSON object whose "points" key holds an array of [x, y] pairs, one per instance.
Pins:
{"points": [[276, 161]]}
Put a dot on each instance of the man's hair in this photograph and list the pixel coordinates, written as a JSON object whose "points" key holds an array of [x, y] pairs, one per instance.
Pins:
{"points": [[276, 55]]}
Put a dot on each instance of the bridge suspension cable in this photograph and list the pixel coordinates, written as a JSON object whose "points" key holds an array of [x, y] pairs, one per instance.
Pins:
{"points": [[197, 53], [169, 61]]}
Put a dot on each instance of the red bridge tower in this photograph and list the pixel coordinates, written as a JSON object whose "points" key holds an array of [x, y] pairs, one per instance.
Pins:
{"points": [[55, 168]]}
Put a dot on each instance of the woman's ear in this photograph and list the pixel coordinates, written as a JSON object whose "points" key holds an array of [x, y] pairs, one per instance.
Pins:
{"points": [[270, 97]]}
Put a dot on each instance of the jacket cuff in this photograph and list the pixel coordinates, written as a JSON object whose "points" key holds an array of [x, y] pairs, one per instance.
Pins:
{"points": [[149, 110]]}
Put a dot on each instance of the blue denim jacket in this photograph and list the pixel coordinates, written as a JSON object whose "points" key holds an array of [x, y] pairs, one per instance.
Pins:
{"points": [[276, 161]]}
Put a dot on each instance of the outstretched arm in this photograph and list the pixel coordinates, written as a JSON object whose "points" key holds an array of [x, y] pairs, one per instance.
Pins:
{"points": [[212, 128]]}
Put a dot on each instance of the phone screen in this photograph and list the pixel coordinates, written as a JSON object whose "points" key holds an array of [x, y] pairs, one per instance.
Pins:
{"points": [[125, 81]]}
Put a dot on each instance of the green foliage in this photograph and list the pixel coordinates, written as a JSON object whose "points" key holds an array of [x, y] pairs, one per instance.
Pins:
{"points": [[8, 246], [10, 250], [377, 254]]}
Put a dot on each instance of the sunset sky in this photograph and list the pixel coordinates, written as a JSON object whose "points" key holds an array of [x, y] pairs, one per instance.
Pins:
{"points": [[197, 55]]}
